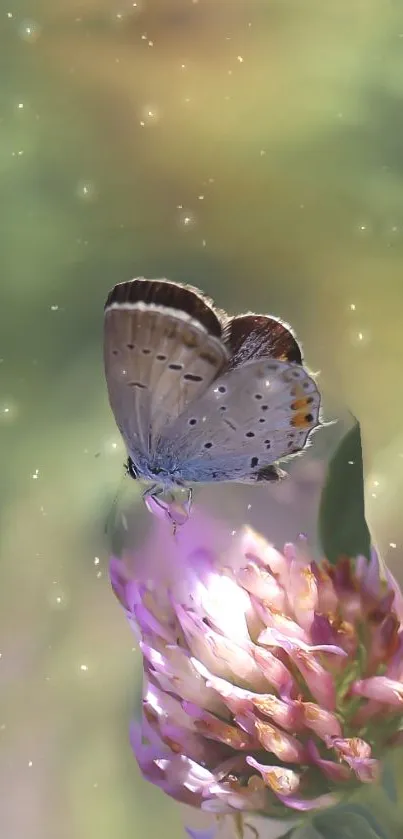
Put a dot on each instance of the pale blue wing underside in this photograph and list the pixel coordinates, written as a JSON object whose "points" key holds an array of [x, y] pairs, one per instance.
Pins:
{"points": [[157, 362], [246, 420]]}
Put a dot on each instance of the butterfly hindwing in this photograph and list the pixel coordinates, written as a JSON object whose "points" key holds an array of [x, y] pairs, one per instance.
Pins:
{"points": [[246, 420]]}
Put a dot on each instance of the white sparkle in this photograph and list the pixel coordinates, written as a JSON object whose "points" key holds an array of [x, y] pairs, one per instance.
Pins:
{"points": [[20, 106], [187, 218], [392, 545], [85, 190], [84, 668], [54, 308], [240, 59], [96, 560], [35, 476], [149, 115], [29, 31], [30, 763], [352, 307]]}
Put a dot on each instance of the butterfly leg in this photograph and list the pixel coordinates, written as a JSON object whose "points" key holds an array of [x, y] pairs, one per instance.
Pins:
{"points": [[157, 506], [176, 513]]}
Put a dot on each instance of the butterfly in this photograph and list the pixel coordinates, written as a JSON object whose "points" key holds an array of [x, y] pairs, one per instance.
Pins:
{"points": [[199, 396]]}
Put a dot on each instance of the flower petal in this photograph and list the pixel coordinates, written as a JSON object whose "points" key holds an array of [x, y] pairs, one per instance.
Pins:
{"points": [[336, 772], [320, 721], [175, 671], [274, 670], [282, 781], [380, 688], [255, 548], [286, 713], [219, 653], [284, 746], [211, 726], [322, 802], [357, 754], [302, 592], [209, 833], [257, 580]]}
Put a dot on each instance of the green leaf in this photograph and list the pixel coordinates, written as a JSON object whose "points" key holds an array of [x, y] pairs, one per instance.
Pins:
{"points": [[342, 525], [349, 822], [344, 822], [388, 782], [307, 831]]}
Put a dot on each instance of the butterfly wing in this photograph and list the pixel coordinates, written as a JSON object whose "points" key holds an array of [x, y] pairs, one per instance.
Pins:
{"points": [[246, 420], [249, 337], [162, 349]]}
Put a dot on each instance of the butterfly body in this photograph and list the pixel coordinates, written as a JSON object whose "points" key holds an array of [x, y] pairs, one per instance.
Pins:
{"points": [[198, 396]]}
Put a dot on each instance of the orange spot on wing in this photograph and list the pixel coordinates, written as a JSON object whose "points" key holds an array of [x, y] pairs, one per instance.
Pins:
{"points": [[301, 421], [298, 404]]}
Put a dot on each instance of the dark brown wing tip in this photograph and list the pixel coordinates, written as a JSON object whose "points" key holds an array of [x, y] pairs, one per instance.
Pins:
{"points": [[170, 295], [260, 336]]}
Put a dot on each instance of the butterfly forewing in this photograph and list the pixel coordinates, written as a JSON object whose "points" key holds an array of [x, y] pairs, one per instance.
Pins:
{"points": [[158, 359], [246, 420]]}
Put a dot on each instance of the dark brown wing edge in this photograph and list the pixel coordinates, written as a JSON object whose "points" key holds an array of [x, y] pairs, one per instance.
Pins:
{"points": [[260, 336], [171, 296]]}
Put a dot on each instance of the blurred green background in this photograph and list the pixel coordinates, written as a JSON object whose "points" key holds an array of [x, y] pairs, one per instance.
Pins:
{"points": [[251, 147]]}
